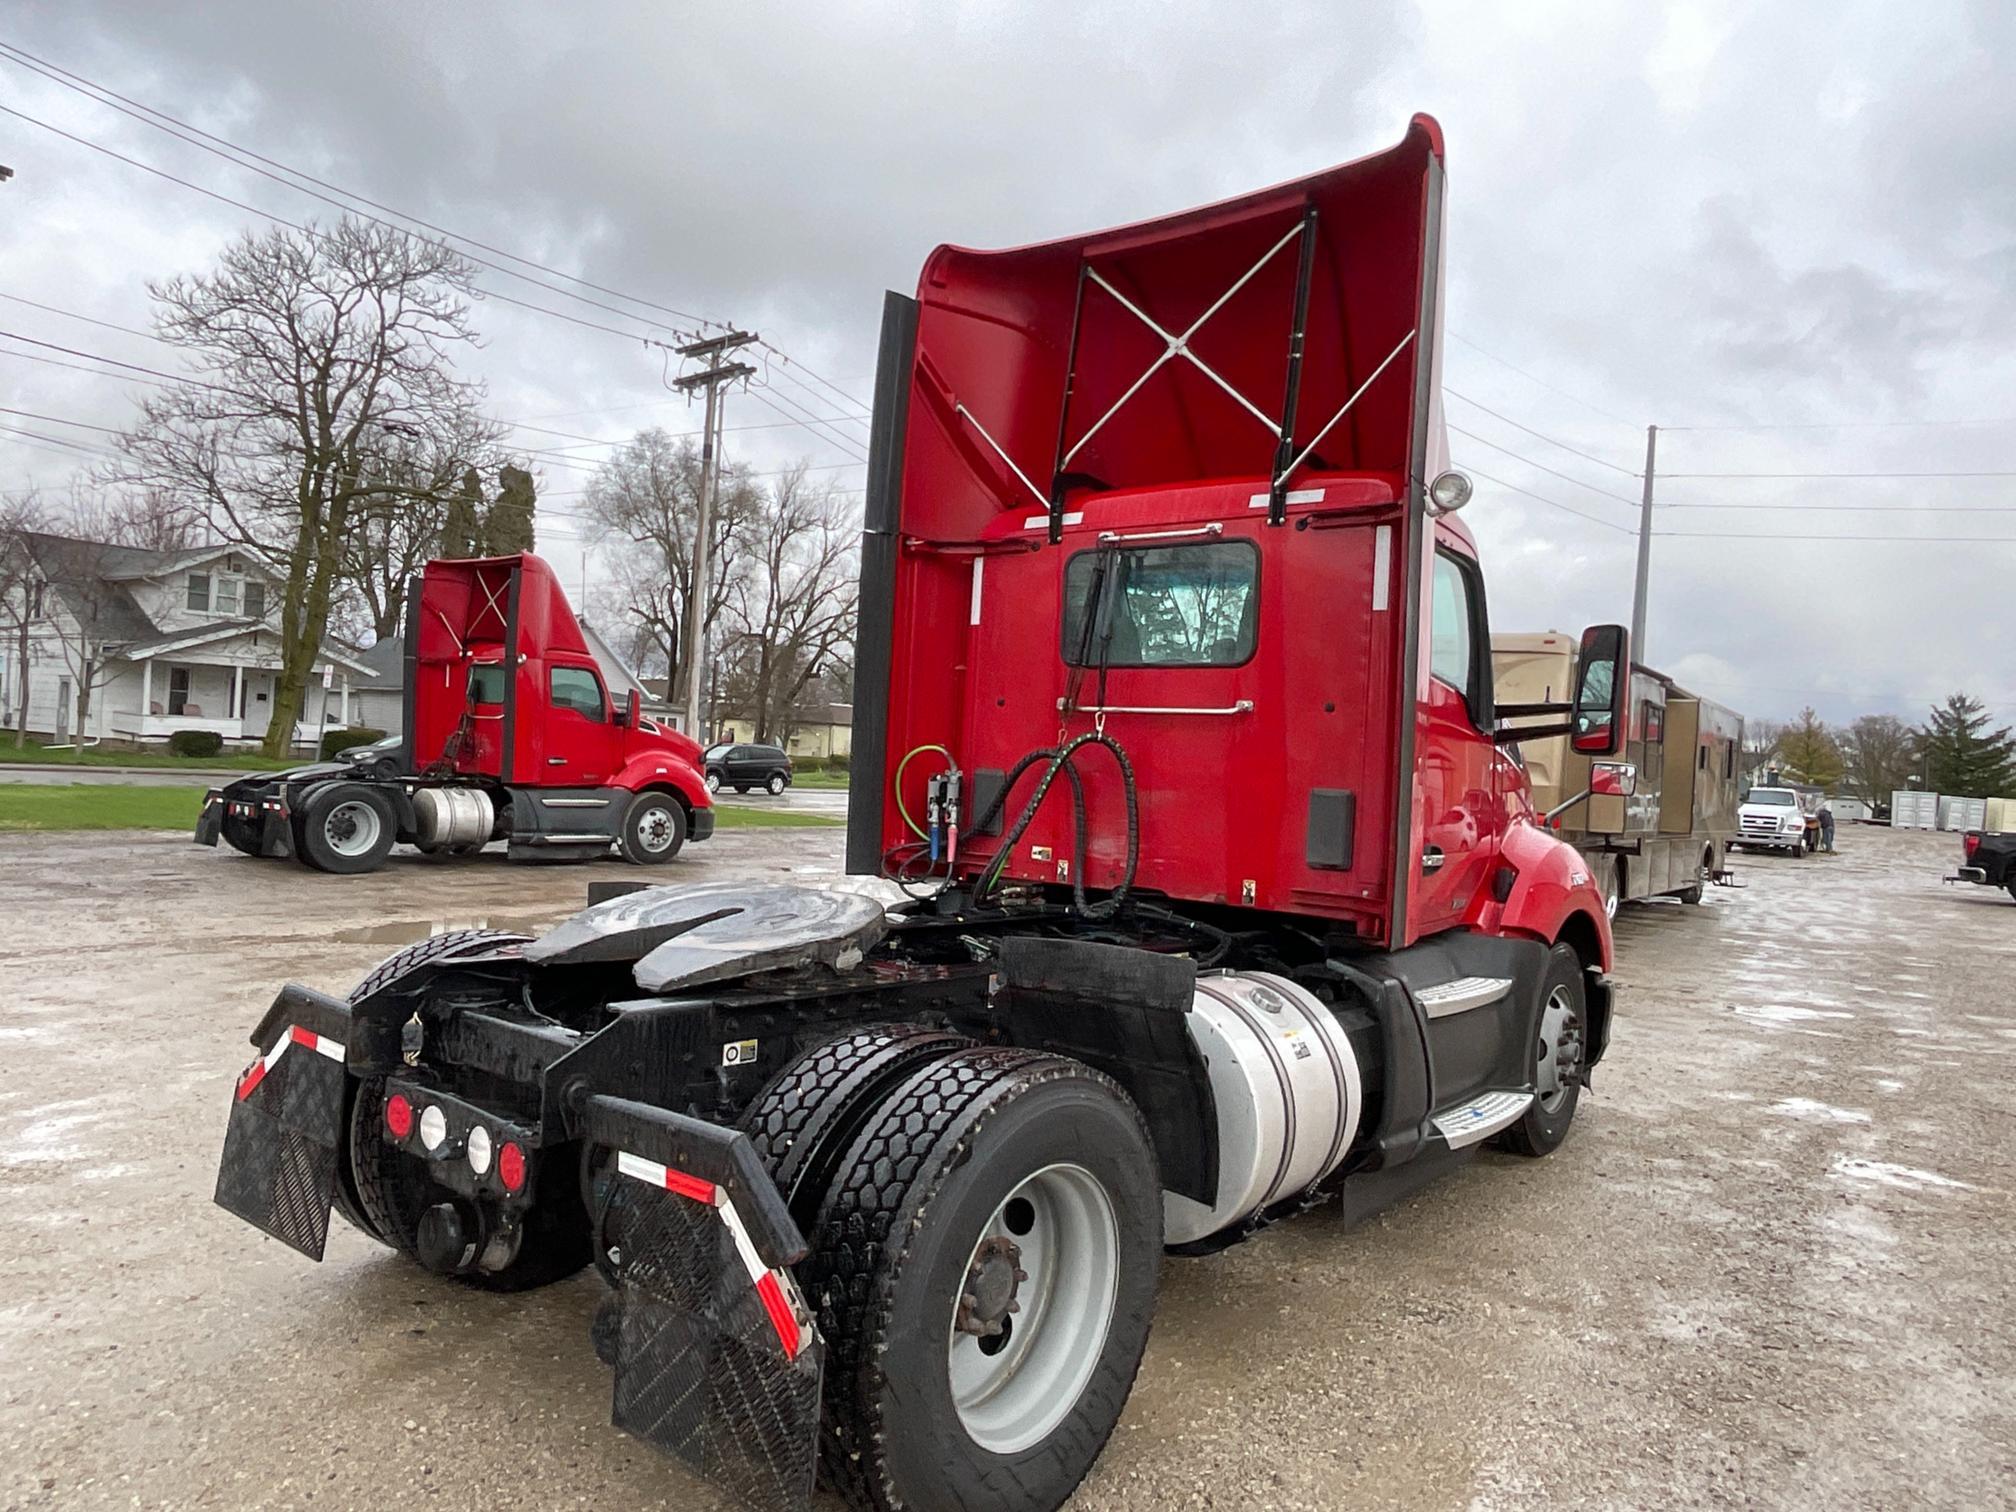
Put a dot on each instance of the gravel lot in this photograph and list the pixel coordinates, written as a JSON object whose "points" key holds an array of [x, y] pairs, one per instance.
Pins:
{"points": [[1770, 1267]]}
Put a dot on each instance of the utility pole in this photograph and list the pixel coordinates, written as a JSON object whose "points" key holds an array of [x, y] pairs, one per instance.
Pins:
{"points": [[710, 378], [1644, 548]]}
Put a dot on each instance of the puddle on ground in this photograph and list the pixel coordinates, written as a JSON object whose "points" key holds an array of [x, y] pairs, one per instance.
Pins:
{"points": [[1784, 1013], [1806, 1107], [408, 931], [1854, 1168]]}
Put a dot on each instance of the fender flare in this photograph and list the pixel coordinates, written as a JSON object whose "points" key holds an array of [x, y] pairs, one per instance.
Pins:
{"points": [[1554, 896], [665, 774]]}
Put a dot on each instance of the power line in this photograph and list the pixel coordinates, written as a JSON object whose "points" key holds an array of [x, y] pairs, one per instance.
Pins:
{"points": [[1534, 378], [774, 401], [1554, 472], [1540, 435], [57, 420], [1666, 504], [77, 446], [237, 154], [1569, 508], [1839, 475], [1792, 425], [1718, 535], [85, 88]]}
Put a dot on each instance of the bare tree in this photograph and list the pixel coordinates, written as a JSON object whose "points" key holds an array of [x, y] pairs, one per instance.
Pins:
{"points": [[323, 354], [1761, 740], [1880, 752], [793, 602], [22, 592], [646, 493]]}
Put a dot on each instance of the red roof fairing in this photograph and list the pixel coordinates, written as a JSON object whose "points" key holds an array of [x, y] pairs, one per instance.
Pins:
{"points": [[1031, 350]]}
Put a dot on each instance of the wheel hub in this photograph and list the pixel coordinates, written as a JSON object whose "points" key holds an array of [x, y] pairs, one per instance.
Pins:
{"points": [[991, 1281], [1558, 1062]]}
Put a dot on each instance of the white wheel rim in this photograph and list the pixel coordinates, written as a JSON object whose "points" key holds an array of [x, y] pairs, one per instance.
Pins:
{"points": [[1012, 1389], [655, 831], [713, 782], [776, 785], [351, 828], [1560, 1056]]}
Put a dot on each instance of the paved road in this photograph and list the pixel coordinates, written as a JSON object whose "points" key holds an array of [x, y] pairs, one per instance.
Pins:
{"points": [[1769, 1268]]}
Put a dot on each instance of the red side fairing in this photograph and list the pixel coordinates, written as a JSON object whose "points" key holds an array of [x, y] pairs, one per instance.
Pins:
{"points": [[1551, 885], [1050, 372]]}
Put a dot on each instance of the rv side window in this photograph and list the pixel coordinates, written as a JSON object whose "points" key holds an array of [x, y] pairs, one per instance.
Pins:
{"points": [[578, 689], [486, 683], [1451, 657], [1164, 606]]}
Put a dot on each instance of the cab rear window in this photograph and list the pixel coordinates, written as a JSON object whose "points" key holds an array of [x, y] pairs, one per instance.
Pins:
{"points": [[1163, 606]]}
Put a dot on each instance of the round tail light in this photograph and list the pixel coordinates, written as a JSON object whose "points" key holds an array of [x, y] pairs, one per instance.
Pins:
{"points": [[398, 1115], [511, 1167]]}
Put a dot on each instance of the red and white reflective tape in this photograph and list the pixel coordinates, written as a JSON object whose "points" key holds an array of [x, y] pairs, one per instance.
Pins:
{"points": [[779, 1293], [255, 1073]]}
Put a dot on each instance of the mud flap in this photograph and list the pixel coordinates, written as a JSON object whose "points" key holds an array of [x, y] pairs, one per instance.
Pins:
{"points": [[717, 1361], [279, 1167]]}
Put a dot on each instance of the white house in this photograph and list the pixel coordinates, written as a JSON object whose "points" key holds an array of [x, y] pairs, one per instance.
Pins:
{"points": [[169, 641]]}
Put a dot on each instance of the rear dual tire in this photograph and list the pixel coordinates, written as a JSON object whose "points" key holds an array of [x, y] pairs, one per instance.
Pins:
{"points": [[987, 1177]]}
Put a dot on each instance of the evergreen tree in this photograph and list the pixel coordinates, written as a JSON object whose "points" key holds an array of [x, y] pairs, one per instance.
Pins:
{"points": [[462, 530], [508, 529], [1962, 756], [1808, 752]]}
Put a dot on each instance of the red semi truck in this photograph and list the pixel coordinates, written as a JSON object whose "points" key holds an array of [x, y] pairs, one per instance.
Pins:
{"points": [[509, 734], [1192, 888]]}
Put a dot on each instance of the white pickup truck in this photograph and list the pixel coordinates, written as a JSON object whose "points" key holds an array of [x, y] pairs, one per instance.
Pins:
{"points": [[1775, 818]]}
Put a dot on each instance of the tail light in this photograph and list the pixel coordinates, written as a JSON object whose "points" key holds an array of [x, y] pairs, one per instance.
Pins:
{"points": [[479, 1150], [1972, 841], [398, 1115], [511, 1166], [433, 1126]]}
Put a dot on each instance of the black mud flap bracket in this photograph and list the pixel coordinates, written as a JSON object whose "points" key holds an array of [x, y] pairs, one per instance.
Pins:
{"points": [[717, 1360], [280, 1147]]}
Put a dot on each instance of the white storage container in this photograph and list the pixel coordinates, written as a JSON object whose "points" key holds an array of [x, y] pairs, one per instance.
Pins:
{"points": [[1913, 809], [1963, 813], [2001, 816]]}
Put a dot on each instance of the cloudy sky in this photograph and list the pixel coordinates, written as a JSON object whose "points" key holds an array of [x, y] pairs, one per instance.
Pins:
{"points": [[1786, 234]]}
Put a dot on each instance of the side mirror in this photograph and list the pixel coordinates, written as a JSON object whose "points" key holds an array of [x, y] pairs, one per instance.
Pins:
{"points": [[1612, 779], [633, 711], [1602, 691]]}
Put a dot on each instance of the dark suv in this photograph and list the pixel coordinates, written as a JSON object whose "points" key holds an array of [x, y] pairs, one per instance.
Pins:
{"points": [[743, 767]]}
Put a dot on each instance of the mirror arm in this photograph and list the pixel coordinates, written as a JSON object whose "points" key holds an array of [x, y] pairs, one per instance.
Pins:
{"points": [[1533, 710], [1504, 736], [1561, 808]]}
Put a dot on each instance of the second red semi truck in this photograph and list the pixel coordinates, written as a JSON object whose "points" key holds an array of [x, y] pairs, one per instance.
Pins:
{"points": [[509, 733], [1192, 888]]}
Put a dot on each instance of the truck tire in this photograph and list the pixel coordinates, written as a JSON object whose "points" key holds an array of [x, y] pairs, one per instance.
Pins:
{"points": [[1558, 1072], [995, 1191], [436, 948], [348, 828], [812, 1111], [654, 830]]}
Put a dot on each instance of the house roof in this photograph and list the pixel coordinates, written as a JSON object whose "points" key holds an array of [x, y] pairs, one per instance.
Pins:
{"points": [[333, 650], [81, 573], [386, 661]]}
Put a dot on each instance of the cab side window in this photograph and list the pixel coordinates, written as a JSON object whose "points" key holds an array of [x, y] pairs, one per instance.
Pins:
{"points": [[1452, 651], [578, 689]]}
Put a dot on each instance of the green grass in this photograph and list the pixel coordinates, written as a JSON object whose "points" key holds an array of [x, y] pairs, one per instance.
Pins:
{"points": [[108, 806], [152, 760], [97, 806], [735, 816], [826, 779]]}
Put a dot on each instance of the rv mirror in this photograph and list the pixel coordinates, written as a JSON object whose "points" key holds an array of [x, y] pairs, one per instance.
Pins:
{"points": [[1602, 686]]}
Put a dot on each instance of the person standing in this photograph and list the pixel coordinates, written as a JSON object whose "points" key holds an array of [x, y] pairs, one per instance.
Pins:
{"points": [[1827, 828]]}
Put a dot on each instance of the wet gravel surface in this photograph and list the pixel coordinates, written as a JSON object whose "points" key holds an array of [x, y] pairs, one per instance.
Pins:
{"points": [[1769, 1268]]}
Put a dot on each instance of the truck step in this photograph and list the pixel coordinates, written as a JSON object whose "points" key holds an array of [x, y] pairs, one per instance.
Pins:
{"points": [[1461, 995], [1481, 1117]]}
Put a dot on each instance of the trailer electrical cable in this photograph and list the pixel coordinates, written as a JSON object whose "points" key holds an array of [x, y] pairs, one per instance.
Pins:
{"points": [[1061, 760]]}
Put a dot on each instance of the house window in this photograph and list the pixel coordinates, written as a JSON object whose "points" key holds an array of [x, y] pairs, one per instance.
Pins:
{"points": [[255, 600], [199, 592], [226, 601], [178, 691]]}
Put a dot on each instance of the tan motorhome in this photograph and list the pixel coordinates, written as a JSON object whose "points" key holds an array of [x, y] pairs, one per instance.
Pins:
{"points": [[1671, 836]]}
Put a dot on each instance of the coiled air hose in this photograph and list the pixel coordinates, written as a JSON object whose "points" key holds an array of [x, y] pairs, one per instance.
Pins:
{"points": [[1061, 760]]}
